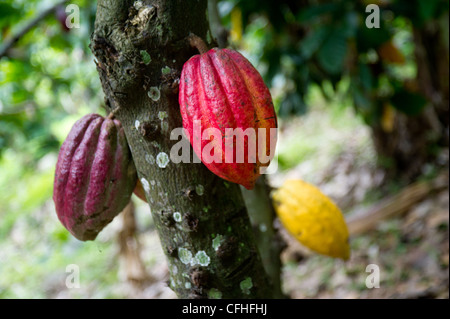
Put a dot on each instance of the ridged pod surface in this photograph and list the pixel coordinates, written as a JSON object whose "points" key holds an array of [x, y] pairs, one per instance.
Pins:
{"points": [[220, 89], [95, 176], [312, 218]]}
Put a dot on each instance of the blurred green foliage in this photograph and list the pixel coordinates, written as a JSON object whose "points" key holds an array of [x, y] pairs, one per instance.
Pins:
{"points": [[310, 42], [48, 75], [48, 80]]}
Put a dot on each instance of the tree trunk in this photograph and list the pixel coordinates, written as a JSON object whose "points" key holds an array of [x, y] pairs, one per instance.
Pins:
{"points": [[268, 240], [202, 221], [432, 58], [414, 139], [404, 151]]}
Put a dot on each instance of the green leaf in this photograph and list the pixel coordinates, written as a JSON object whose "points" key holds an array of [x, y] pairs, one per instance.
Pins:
{"points": [[8, 14], [365, 76], [16, 119], [317, 11], [371, 38], [350, 24], [410, 103], [363, 105], [272, 56], [427, 9], [59, 41], [292, 105], [311, 43], [332, 53]]}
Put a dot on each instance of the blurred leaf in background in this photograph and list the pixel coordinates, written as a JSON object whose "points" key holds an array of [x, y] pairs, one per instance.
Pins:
{"points": [[314, 55], [48, 80], [298, 45]]}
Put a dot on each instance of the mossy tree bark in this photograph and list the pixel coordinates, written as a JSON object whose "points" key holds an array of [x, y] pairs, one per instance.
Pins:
{"points": [[140, 47]]}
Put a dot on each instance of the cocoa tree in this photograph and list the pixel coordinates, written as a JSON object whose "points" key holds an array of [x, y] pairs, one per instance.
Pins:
{"points": [[202, 221]]}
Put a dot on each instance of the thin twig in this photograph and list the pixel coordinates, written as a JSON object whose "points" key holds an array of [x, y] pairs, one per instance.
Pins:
{"points": [[10, 41], [395, 205], [198, 43]]}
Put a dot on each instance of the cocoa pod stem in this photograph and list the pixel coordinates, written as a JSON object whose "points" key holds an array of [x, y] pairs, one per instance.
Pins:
{"points": [[198, 43]]}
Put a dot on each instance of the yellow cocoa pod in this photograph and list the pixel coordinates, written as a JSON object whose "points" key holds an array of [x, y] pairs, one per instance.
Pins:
{"points": [[312, 218]]}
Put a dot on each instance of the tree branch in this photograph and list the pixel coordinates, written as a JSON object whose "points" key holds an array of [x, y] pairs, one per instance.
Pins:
{"points": [[395, 205], [10, 41]]}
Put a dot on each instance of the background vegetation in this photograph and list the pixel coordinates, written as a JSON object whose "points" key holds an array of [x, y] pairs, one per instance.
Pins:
{"points": [[345, 95]]}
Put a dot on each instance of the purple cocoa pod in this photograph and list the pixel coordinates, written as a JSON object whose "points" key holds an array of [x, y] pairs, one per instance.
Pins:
{"points": [[95, 176]]}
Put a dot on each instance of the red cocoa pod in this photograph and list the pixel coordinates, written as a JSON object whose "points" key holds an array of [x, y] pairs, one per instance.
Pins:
{"points": [[94, 177], [220, 89]]}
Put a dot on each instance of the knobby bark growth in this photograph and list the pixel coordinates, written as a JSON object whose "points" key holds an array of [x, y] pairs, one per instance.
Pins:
{"points": [[140, 47]]}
